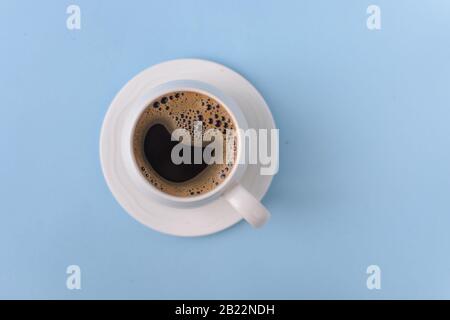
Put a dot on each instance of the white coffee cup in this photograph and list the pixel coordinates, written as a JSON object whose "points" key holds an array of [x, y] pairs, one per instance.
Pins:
{"points": [[238, 197]]}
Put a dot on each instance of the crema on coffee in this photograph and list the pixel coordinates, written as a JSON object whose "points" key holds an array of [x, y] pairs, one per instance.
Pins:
{"points": [[152, 144]]}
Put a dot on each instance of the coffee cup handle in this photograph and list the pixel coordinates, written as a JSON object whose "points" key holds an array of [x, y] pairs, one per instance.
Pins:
{"points": [[247, 206]]}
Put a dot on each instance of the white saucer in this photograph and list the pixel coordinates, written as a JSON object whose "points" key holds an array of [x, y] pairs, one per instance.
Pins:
{"points": [[209, 218]]}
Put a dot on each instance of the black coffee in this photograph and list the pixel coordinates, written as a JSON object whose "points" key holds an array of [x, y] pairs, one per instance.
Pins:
{"points": [[152, 145], [157, 151]]}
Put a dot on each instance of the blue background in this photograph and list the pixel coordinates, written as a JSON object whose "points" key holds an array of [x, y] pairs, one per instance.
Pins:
{"points": [[365, 149]]}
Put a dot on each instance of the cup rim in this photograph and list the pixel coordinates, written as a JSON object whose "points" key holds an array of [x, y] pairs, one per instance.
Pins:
{"points": [[234, 112]]}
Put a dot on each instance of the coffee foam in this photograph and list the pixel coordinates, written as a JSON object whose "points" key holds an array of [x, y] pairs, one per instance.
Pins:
{"points": [[181, 110]]}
